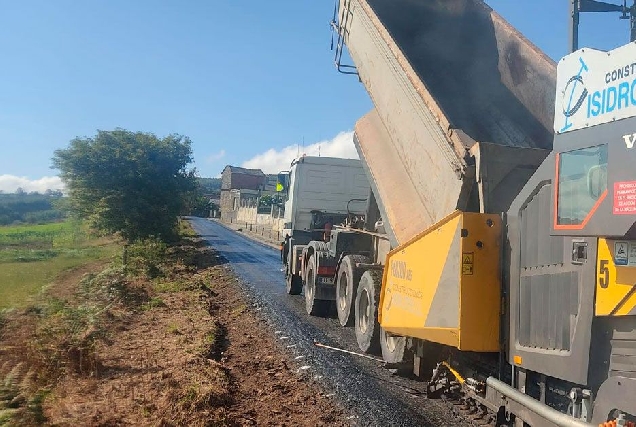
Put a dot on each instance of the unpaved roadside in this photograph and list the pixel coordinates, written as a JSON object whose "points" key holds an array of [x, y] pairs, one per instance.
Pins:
{"points": [[183, 350]]}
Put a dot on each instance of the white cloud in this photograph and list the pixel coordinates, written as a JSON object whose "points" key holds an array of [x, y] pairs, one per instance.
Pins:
{"points": [[10, 183], [215, 157], [273, 161]]}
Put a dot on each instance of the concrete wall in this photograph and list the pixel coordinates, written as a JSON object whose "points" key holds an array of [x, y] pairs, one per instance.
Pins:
{"points": [[268, 220], [246, 214], [250, 216]]}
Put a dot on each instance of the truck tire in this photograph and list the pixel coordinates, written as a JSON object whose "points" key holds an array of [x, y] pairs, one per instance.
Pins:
{"points": [[294, 284], [367, 327], [347, 287], [313, 306], [392, 347]]}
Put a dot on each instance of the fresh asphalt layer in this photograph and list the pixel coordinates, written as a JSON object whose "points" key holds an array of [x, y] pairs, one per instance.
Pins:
{"points": [[371, 393]]}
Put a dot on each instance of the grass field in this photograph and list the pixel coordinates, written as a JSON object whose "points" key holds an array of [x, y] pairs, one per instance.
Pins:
{"points": [[32, 256]]}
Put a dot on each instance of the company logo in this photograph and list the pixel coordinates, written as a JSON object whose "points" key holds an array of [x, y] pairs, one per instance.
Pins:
{"points": [[574, 95], [629, 139]]}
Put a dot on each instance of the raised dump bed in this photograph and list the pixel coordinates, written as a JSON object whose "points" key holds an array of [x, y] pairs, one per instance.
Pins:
{"points": [[463, 103]]}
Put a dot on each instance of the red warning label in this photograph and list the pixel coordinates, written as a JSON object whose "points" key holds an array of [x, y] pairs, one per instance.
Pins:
{"points": [[625, 198]]}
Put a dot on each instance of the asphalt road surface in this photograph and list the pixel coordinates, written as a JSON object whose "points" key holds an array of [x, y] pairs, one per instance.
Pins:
{"points": [[369, 391]]}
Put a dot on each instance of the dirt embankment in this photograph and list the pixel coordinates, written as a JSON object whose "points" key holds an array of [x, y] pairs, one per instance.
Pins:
{"points": [[180, 348]]}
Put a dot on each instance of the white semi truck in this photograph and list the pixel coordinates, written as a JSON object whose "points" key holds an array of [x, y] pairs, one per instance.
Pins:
{"points": [[319, 192]]}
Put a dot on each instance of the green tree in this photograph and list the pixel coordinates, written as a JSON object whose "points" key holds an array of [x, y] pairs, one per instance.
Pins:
{"points": [[269, 200], [210, 185], [197, 205], [128, 182]]}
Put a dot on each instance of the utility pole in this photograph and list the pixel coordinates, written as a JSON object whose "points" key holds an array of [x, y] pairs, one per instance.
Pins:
{"points": [[579, 6], [632, 22], [574, 25]]}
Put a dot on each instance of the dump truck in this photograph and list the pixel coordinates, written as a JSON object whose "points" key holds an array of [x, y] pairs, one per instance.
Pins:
{"points": [[498, 253], [318, 192]]}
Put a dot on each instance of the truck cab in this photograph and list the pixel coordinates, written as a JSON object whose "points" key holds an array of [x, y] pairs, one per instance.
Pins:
{"points": [[319, 193]]}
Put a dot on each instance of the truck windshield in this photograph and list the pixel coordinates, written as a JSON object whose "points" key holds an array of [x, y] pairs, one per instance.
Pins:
{"points": [[582, 180]]}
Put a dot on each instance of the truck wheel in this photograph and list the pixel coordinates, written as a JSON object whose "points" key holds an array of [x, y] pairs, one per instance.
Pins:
{"points": [[313, 306], [347, 286], [294, 284], [392, 347], [366, 312]]}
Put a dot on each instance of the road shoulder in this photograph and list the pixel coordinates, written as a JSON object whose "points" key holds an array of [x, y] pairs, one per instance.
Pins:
{"points": [[188, 349]]}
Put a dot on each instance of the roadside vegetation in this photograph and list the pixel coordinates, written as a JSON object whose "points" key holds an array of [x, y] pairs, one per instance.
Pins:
{"points": [[165, 339], [134, 184], [131, 186], [31, 256], [33, 208], [56, 335]]}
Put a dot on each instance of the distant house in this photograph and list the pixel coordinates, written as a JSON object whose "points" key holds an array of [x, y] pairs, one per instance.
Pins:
{"points": [[237, 178], [270, 184]]}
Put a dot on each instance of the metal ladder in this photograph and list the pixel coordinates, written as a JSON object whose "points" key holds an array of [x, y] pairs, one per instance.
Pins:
{"points": [[339, 25]]}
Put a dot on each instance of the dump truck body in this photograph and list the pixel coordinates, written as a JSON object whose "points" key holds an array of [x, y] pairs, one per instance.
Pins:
{"points": [[498, 173], [444, 76]]}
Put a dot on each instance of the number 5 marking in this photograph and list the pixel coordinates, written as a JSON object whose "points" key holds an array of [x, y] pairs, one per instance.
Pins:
{"points": [[603, 274]]}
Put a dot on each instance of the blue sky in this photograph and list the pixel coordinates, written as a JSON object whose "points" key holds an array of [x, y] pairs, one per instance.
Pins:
{"points": [[240, 78]]}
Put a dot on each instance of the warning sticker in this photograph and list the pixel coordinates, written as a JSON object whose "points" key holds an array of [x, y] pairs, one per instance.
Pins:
{"points": [[625, 253], [621, 253], [632, 254], [625, 198], [468, 261]]}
